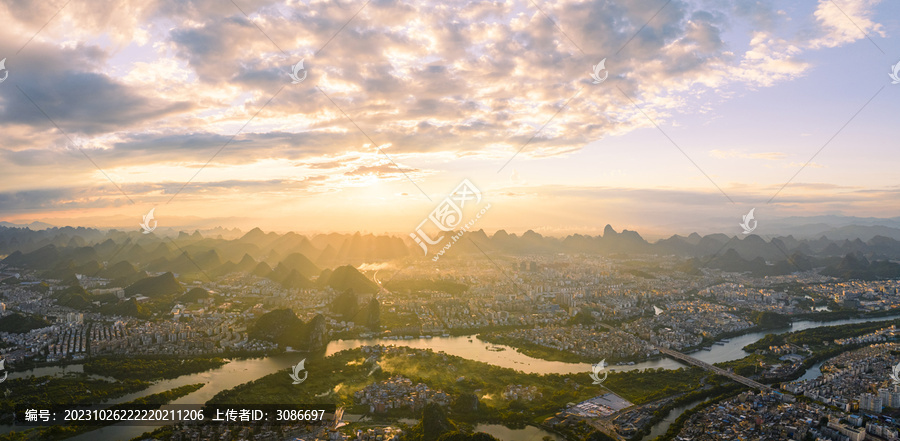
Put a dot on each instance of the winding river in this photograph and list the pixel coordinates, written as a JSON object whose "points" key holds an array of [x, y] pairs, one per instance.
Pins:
{"points": [[241, 371]]}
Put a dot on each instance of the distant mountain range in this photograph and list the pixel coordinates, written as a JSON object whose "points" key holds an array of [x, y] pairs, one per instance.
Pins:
{"points": [[836, 227], [33, 226], [297, 261]]}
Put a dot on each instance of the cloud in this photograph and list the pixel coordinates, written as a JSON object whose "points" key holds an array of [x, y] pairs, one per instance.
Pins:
{"points": [[844, 21], [153, 91], [770, 60], [59, 84], [381, 170]]}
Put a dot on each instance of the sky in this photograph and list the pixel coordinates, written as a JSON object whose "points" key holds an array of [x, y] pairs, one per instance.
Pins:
{"points": [[707, 109]]}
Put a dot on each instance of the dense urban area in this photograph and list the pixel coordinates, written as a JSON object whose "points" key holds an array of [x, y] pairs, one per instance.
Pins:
{"points": [[524, 343]]}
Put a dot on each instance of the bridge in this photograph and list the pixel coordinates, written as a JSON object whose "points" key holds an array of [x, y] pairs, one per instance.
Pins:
{"points": [[704, 365], [701, 364]]}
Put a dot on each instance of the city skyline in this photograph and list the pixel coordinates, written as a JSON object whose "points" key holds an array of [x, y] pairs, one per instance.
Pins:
{"points": [[744, 95]]}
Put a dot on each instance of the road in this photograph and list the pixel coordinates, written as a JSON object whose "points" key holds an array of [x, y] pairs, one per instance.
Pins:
{"points": [[737, 378]]}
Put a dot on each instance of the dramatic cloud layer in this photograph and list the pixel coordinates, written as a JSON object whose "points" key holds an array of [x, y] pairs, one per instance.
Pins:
{"points": [[166, 98]]}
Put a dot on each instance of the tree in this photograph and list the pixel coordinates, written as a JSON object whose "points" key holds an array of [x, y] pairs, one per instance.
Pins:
{"points": [[599, 436]]}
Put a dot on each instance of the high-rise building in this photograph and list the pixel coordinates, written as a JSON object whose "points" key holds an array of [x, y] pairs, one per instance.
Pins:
{"points": [[870, 402]]}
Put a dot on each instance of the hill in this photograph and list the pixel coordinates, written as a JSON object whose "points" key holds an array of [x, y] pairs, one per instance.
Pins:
{"points": [[283, 327], [433, 425], [346, 305], [298, 262], [854, 266], [161, 285], [194, 295], [128, 307], [18, 324], [74, 297], [123, 272], [347, 277]]}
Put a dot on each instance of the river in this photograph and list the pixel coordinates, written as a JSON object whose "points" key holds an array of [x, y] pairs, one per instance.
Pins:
{"points": [[662, 427], [237, 372]]}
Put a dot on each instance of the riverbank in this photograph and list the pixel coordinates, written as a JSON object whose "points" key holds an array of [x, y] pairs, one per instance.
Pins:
{"points": [[25, 366], [54, 433], [239, 371]]}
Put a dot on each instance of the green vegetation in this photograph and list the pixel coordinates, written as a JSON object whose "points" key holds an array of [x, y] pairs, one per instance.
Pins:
{"points": [[67, 390], [19, 323], [816, 336], [164, 432], [599, 436], [162, 397], [195, 295], [347, 277], [420, 285], [74, 297], [749, 366], [856, 266], [535, 350], [648, 385], [337, 376], [161, 285], [54, 433], [149, 369], [123, 273], [770, 320], [346, 372], [128, 307], [433, 425], [584, 318], [397, 323], [639, 273], [282, 326], [579, 430]]}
